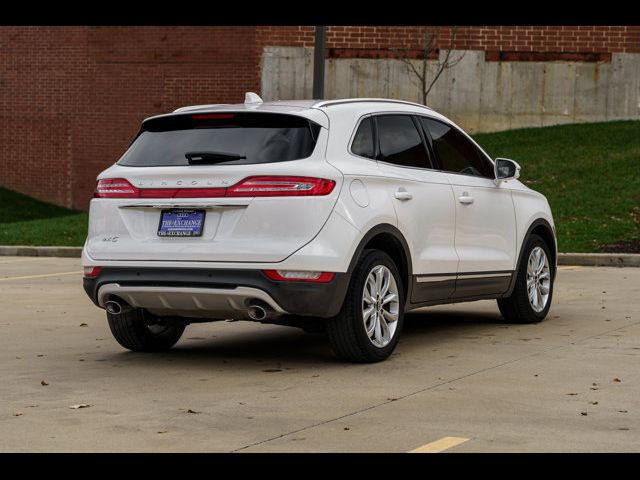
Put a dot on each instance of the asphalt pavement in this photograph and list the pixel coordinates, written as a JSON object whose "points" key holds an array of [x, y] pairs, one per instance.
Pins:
{"points": [[461, 379]]}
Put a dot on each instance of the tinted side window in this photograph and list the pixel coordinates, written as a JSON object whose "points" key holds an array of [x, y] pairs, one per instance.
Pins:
{"points": [[456, 153], [400, 142], [363, 141]]}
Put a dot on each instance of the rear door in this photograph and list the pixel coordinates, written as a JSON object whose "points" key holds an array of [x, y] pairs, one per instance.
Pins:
{"points": [[485, 232], [224, 187], [424, 205]]}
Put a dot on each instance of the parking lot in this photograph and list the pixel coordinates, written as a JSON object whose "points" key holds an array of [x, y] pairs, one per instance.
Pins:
{"points": [[461, 380]]}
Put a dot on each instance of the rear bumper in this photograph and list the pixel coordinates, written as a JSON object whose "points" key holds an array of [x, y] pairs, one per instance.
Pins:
{"points": [[215, 293]]}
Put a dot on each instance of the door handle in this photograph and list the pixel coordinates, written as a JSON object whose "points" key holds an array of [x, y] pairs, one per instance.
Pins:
{"points": [[402, 194], [465, 198]]}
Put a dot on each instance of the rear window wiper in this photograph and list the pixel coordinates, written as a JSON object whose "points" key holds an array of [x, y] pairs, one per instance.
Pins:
{"points": [[204, 158]]}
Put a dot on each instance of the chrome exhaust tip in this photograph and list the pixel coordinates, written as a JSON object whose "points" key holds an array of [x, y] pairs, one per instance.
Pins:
{"points": [[116, 306], [113, 307], [256, 312]]}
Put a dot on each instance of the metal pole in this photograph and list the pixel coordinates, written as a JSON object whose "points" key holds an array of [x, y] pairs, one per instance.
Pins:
{"points": [[318, 63]]}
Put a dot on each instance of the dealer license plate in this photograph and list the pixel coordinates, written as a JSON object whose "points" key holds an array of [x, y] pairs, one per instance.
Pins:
{"points": [[181, 223]]}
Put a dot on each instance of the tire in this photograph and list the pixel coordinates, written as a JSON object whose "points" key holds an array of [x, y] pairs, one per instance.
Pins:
{"points": [[139, 331], [518, 308], [347, 333]]}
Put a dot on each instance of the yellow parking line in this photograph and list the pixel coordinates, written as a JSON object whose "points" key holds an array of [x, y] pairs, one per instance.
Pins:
{"points": [[568, 268], [40, 276], [440, 445]]}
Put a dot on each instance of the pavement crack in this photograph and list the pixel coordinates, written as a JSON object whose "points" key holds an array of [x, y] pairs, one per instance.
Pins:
{"points": [[606, 332], [395, 399], [426, 389]]}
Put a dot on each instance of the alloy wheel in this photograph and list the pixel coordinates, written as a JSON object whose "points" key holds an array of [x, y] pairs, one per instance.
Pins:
{"points": [[380, 306], [538, 279]]}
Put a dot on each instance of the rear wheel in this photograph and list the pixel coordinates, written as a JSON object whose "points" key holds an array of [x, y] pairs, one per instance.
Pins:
{"points": [[531, 297], [368, 327], [140, 331]]}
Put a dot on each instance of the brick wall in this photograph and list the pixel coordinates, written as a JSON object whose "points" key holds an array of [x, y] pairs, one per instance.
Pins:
{"points": [[507, 38], [72, 98]]}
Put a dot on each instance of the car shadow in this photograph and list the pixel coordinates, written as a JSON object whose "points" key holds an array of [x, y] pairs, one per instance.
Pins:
{"points": [[433, 320], [275, 347]]}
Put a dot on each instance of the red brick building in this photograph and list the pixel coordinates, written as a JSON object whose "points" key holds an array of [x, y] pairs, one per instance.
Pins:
{"points": [[71, 98]]}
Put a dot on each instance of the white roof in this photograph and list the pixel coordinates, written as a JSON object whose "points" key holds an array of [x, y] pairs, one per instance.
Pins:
{"points": [[299, 104], [316, 110]]}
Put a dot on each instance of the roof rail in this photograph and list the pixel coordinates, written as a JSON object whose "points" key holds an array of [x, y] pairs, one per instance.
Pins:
{"points": [[198, 107], [327, 103]]}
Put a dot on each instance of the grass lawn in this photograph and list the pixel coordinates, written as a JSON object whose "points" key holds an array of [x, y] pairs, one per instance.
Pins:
{"points": [[27, 221], [589, 172]]}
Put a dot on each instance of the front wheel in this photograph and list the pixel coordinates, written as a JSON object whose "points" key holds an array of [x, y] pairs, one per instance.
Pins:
{"points": [[368, 327], [141, 331], [531, 297]]}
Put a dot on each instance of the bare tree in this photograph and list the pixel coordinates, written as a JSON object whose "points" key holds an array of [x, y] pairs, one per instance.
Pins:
{"points": [[428, 74]]}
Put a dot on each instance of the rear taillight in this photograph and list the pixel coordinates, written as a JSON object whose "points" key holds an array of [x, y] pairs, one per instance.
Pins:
{"points": [[91, 271], [266, 186], [281, 186], [299, 276], [116, 188], [182, 192]]}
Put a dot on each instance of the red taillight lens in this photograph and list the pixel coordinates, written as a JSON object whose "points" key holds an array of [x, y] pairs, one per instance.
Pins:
{"points": [[91, 271], [182, 192], [116, 188], [299, 276], [281, 186], [266, 186]]}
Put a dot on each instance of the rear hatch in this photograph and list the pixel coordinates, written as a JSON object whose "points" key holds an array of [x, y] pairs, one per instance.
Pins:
{"points": [[218, 187]]}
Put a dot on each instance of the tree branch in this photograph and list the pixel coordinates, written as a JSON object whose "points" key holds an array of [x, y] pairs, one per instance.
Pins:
{"points": [[430, 42]]}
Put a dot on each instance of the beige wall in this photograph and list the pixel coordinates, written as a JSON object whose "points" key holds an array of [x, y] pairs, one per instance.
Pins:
{"points": [[481, 96]]}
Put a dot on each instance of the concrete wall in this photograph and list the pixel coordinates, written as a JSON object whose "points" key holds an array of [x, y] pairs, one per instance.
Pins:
{"points": [[480, 95]]}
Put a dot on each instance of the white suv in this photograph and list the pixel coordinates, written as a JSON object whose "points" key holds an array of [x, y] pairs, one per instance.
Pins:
{"points": [[334, 216]]}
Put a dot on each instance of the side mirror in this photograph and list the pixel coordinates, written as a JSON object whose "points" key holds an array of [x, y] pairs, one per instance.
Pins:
{"points": [[506, 169]]}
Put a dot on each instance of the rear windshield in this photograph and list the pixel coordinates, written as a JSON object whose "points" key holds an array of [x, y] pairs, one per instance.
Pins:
{"points": [[222, 138]]}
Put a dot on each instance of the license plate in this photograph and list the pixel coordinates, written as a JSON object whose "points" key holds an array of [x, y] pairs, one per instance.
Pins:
{"points": [[181, 223]]}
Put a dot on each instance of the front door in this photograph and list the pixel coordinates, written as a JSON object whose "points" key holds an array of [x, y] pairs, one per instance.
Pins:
{"points": [[485, 233]]}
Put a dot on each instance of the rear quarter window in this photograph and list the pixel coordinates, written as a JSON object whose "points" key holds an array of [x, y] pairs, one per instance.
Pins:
{"points": [[363, 140], [233, 138]]}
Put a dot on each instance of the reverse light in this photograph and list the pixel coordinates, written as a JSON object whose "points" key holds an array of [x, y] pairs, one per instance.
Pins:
{"points": [[281, 186], [91, 271], [299, 276]]}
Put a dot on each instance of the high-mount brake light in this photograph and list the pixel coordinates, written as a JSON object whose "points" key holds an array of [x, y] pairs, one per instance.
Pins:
{"points": [[263, 186], [213, 116], [299, 276]]}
